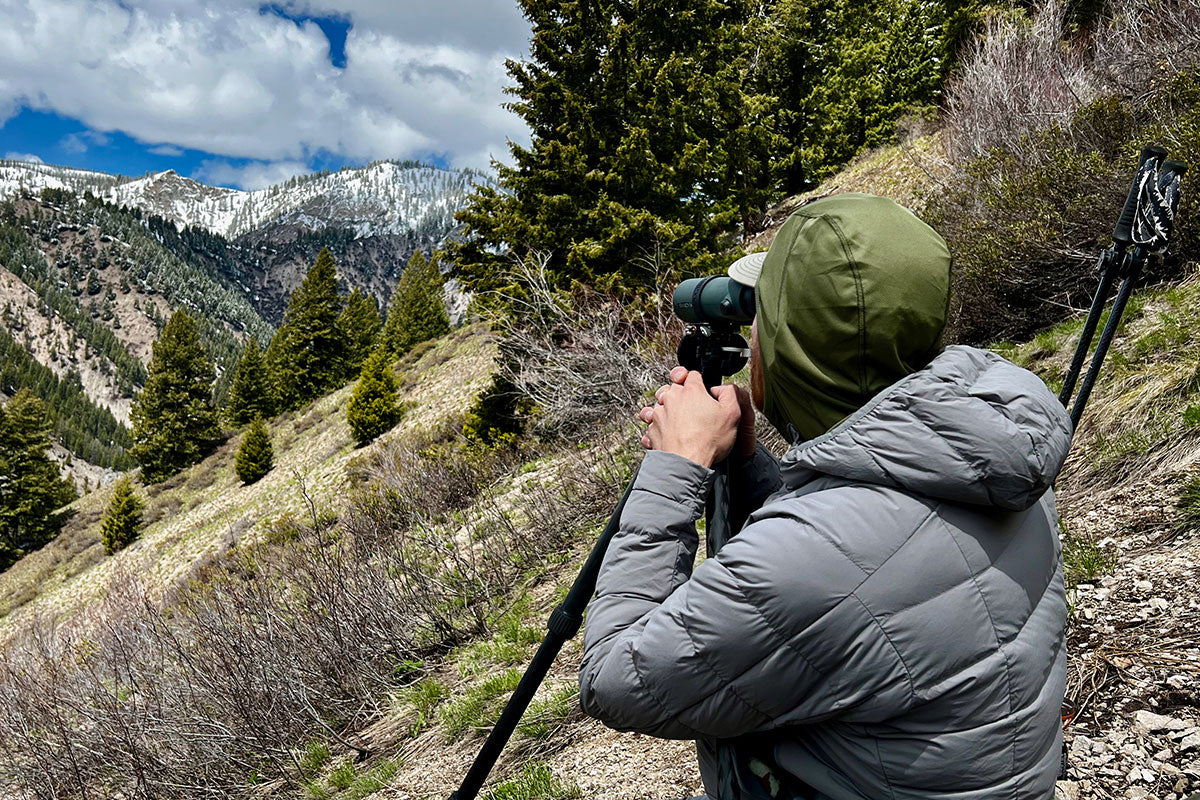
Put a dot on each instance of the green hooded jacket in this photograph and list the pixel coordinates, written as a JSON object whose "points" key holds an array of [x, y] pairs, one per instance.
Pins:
{"points": [[852, 297]]}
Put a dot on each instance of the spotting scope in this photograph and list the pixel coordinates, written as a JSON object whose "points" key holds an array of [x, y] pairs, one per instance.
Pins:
{"points": [[715, 300]]}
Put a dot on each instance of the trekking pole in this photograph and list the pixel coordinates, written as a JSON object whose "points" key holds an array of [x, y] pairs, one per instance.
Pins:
{"points": [[1145, 223], [712, 356]]}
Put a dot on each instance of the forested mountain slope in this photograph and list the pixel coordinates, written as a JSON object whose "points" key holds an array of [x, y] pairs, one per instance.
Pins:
{"points": [[92, 265]]}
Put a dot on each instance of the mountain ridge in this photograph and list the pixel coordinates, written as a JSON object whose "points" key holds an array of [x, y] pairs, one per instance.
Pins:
{"points": [[380, 198]]}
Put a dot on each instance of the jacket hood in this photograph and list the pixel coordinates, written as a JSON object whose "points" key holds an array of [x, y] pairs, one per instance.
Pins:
{"points": [[852, 297], [970, 427]]}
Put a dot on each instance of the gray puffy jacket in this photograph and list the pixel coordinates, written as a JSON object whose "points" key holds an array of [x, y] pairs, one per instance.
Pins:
{"points": [[889, 621]]}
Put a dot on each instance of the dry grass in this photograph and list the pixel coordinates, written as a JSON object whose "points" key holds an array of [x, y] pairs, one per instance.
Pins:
{"points": [[189, 516]]}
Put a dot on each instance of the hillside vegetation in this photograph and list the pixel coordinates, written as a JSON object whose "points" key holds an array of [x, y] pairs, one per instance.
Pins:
{"points": [[351, 623]]}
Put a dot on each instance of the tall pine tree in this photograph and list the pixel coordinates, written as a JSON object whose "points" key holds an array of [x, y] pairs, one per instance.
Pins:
{"points": [[416, 312], [359, 324], [174, 420], [646, 142], [251, 394], [31, 486], [307, 356]]}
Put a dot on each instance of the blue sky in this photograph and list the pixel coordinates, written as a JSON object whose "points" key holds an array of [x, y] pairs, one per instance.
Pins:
{"points": [[242, 94]]}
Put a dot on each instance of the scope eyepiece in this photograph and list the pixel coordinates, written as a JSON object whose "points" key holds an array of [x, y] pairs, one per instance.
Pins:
{"points": [[714, 300]]}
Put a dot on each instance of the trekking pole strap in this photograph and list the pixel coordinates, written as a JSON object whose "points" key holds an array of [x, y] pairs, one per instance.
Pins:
{"points": [[1123, 232]]}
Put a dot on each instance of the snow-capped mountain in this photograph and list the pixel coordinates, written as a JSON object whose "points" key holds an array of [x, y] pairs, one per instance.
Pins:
{"points": [[385, 197], [28, 176]]}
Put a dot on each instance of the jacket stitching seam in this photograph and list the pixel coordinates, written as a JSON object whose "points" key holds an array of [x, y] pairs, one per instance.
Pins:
{"points": [[729, 682], [995, 634], [637, 674], [862, 317], [912, 691]]}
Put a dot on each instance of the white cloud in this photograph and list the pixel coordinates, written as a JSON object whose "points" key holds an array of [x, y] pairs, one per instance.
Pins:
{"points": [[254, 175], [223, 78], [485, 26], [11, 156], [166, 150], [80, 142]]}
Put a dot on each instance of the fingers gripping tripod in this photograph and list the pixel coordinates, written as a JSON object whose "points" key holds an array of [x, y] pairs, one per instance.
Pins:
{"points": [[716, 351], [1143, 230]]}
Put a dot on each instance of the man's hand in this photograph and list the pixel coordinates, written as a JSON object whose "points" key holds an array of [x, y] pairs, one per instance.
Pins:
{"points": [[690, 421]]}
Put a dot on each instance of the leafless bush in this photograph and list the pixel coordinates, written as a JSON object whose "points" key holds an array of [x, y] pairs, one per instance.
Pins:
{"points": [[298, 636], [1146, 43], [1020, 76], [580, 357]]}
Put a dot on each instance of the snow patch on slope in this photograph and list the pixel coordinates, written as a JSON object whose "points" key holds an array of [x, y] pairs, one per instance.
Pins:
{"points": [[384, 197]]}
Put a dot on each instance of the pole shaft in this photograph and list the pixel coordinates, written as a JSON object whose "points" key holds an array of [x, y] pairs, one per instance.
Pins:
{"points": [[1110, 263], [1106, 338]]}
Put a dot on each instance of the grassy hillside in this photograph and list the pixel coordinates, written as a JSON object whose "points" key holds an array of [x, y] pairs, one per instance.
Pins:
{"points": [[204, 511]]}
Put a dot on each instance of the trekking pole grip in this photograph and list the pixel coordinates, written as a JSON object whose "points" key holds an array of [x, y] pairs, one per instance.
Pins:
{"points": [[1123, 233]]}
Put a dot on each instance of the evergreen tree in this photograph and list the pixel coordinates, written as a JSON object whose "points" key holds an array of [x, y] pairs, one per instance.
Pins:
{"points": [[844, 71], [250, 394], [309, 350], [32, 488], [416, 312], [359, 324], [255, 456], [372, 409], [175, 422], [122, 519], [647, 141]]}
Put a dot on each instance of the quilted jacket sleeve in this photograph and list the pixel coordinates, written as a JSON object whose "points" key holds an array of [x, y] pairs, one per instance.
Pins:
{"points": [[766, 634]]}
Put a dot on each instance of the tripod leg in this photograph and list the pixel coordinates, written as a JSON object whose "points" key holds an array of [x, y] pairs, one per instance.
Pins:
{"points": [[564, 623]]}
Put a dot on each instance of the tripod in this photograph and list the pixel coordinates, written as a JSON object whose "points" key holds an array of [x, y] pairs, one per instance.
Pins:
{"points": [[716, 351]]}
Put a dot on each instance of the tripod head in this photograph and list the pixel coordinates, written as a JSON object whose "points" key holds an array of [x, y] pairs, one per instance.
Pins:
{"points": [[715, 309]]}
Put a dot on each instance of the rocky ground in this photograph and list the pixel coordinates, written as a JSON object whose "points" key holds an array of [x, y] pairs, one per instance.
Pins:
{"points": [[1133, 700]]}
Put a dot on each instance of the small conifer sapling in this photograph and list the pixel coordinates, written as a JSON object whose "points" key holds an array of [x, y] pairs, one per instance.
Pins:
{"points": [[372, 409], [255, 456], [123, 519]]}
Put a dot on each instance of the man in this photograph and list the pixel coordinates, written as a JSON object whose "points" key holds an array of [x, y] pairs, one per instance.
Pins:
{"points": [[888, 623]]}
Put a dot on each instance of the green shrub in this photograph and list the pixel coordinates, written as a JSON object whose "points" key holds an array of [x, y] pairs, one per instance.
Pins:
{"points": [[123, 519], [1189, 502], [1083, 560], [343, 776], [314, 758], [424, 696], [497, 417], [373, 781], [255, 456], [1191, 416], [1026, 224], [544, 717]]}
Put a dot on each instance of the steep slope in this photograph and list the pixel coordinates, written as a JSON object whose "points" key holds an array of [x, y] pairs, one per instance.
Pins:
{"points": [[91, 265], [84, 289]]}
